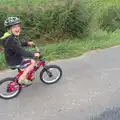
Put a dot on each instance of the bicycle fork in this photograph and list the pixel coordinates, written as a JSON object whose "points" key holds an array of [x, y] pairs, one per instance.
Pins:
{"points": [[48, 72]]}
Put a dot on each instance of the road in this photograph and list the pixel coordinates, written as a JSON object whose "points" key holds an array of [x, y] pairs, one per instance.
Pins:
{"points": [[89, 87]]}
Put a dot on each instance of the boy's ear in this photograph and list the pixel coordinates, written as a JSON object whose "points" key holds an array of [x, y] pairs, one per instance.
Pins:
{"points": [[8, 28]]}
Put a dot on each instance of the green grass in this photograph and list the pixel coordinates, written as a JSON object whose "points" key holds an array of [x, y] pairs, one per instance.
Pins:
{"points": [[76, 47]]}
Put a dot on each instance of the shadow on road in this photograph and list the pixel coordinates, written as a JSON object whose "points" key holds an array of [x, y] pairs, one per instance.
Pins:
{"points": [[109, 114]]}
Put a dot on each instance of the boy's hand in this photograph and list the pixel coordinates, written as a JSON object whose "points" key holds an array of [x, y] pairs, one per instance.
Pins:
{"points": [[30, 43], [37, 54]]}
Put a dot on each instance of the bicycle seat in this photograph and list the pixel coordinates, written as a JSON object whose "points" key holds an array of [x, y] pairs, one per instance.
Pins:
{"points": [[17, 67], [22, 66], [13, 68]]}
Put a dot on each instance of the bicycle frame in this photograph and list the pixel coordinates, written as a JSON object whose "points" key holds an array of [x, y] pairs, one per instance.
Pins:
{"points": [[11, 85], [41, 62]]}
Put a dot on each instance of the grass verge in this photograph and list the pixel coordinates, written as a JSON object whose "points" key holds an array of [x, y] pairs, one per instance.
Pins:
{"points": [[76, 47]]}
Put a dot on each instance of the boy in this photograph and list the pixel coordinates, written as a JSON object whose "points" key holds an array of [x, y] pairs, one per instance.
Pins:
{"points": [[14, 52]]}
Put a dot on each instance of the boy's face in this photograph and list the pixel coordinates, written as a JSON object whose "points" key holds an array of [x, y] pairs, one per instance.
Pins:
{"points": [[15, 29]]}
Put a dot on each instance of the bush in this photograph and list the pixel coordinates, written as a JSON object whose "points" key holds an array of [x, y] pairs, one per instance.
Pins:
{"points": [[54, 22], [110, 19], [3, 15]]}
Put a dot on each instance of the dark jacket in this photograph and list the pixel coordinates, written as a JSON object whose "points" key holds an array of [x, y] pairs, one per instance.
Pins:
{"points": [[14, 52]]}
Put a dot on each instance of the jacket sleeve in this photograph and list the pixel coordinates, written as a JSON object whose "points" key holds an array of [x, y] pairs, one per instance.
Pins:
{"points": [[24, 44], [21, 51]]}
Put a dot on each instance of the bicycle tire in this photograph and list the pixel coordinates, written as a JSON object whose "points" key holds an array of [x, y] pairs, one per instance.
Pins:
{"points": [[48, 67], [9, 79]]}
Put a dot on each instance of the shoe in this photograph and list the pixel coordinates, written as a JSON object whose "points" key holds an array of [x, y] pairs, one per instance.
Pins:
{"points": [[25, 82]]}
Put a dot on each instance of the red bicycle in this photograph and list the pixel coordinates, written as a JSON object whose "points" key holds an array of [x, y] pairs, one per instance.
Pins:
{"points": [[14, 88]]}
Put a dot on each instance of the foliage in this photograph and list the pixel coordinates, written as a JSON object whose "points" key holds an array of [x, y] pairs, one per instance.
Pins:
{"points": [[73, 48], [49, 22], [111, 18]]}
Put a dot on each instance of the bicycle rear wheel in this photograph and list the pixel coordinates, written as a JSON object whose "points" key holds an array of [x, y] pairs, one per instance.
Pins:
{"points": [[9, 94]]}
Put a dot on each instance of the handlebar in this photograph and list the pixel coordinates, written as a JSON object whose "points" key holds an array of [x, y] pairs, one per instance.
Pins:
{"points": [[37, 50]]}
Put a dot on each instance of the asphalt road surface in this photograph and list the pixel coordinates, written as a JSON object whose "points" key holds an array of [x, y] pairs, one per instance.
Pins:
{"points": [[89, 88]]}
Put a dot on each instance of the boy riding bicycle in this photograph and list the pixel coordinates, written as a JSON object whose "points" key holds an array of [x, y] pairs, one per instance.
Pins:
{"points": [[14, 52]]}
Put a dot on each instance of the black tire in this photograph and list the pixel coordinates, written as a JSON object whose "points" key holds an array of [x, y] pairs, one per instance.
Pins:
{"points": [[47, 68], [12, 96]]}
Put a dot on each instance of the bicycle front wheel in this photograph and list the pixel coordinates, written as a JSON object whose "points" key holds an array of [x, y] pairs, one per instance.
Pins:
{"points": [[51, 74]]}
